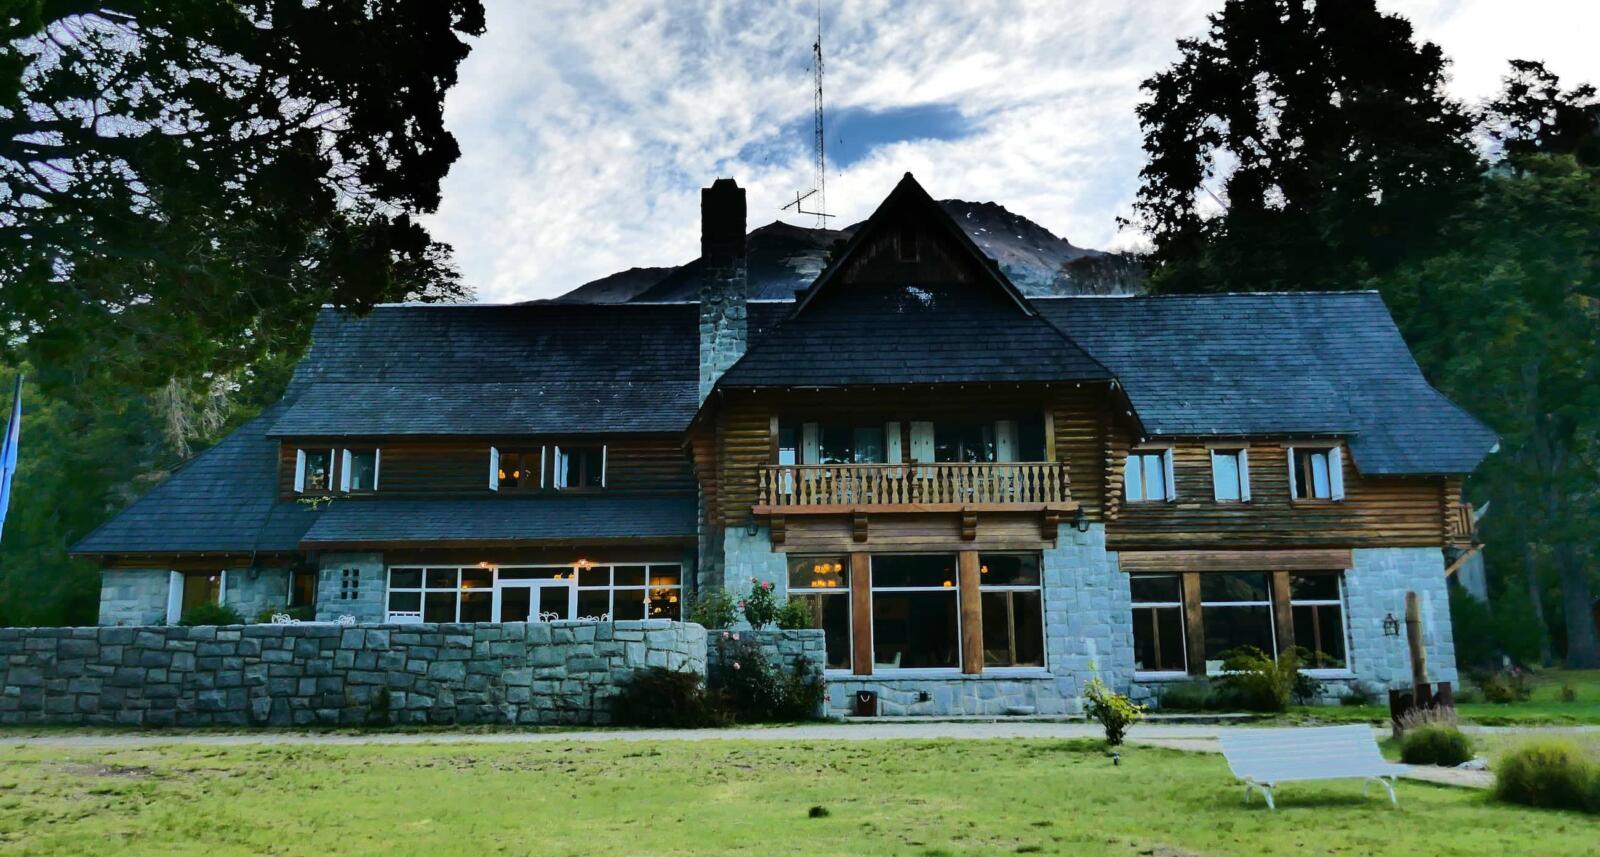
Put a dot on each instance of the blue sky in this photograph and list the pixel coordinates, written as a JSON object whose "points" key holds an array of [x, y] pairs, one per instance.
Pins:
{"points": [[587, 128]]}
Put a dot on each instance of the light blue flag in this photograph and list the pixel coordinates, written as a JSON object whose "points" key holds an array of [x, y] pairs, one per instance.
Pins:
{"points": [[8, 452]]}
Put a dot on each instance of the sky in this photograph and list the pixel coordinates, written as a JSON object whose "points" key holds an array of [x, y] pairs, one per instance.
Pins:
{"points": [[587, 128]]}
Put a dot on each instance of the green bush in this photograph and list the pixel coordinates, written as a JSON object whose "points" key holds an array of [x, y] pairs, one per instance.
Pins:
{"points": [[755, 691], [211, 614], [1549, 774], [1192, 695], [1252, 680], [760, 607], [794, 616], [1114, 711], [714, 609], [1504, 687], [1359, 693], [1435, 745], [662, 698]]}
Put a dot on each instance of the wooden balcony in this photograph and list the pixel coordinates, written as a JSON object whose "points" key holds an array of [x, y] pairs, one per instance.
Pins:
{"points": [[846, 488]]}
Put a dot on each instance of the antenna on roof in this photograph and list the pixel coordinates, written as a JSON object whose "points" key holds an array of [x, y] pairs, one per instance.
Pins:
{"points": [[819, 207]]}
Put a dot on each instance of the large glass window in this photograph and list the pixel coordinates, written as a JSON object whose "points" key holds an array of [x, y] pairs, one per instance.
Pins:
{"points": [[1318, 618], [916, 612], [963, 442], [1158, 634], [466, 594], [1315, 474], [1148, 476], [822, 584], [201, 587], [520, 469], [580, 467], [358, 471], [1236, 610], [313, 471], [848, 444], [1013, 610]]}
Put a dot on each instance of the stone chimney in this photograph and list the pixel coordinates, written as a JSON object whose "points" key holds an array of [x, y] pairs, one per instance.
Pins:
{"points": [[724, 283]]}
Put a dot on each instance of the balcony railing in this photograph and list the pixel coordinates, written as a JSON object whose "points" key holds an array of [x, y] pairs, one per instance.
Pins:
{"points": [[817, 487]]}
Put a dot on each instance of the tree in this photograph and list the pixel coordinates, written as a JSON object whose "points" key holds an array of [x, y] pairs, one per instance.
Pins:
{"points": [[1298, 145], [1533, 115], [183, 184], [1507, 322]]}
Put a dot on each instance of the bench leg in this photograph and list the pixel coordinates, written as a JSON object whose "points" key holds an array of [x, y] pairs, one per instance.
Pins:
{"points": [[1266, 792], [1367, 784]]}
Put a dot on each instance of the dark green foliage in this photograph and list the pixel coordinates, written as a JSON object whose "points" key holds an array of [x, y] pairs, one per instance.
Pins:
{"points": [[1114, 711], [1533, 115], [760, 605], [1192, 695], [793, 616], [1435, 745], [1548, 773], [755, 691], [1472, 628], [1360, 693], [1252, 680], [661, 698], [818, 812], [1503, 687], [211, 614], [1305, 690], [714, 609]]}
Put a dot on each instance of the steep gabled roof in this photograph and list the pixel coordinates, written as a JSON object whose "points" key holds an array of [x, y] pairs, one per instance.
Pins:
{"points": [[1296, 363]]}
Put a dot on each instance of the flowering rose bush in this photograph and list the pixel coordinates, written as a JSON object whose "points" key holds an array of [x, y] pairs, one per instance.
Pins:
{"points": [[754, 690], [760, 607]]}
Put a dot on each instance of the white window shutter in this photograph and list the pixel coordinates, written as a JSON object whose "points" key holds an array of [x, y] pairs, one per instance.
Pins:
{"points": [[922, 441], [1336, 473], [1133, 477], [541, 468], [891, 443], [809, 453], [1294, 478], [494, 469], [344, 471], [377, 462], [560, 465], [222, 586], [1172, 483], [174, 597], [1216, 483], [1244, 475], [299, 472], [1005, 440], [602, 466]]}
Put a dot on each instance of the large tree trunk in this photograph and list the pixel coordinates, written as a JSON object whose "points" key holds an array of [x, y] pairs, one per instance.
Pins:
{"points": [[1583, 649], [1530, 578]]}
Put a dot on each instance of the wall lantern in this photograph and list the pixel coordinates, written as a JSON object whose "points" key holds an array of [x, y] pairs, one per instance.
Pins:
{"points": [[1391, 626], [751, 528], [1081, 521]]}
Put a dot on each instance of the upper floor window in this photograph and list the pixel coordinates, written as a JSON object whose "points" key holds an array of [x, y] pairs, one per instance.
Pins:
{"points": [[358, 471], [1316, 473], [1148, 476], [513, 470], [313, 470], [1230, 475], [580, 467]]}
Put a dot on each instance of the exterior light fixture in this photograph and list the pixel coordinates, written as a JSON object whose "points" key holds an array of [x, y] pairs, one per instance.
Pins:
{"points": [[584, 564], [750, 527], [1391, 626], [1081, 521]]}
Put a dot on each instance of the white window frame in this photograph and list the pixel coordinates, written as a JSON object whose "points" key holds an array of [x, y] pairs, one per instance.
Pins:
{"points": [[873, 589], [407, 617], [1242, 454], [300, 468], [1014, 669], [1183, 627], [344, 469], [1335, 454], [1344, 621], [1168, 481]]}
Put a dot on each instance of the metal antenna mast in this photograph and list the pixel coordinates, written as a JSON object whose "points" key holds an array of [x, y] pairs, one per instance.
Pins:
{"points": [[819, 190]]}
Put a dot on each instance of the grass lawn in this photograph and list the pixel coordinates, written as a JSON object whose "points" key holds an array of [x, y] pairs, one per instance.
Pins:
{"points": [[1544, 708], [682, 797]]}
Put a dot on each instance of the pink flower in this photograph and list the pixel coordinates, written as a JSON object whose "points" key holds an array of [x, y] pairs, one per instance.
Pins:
{"points": [[735, 664], [741, 605], [724, 635], [736, 635], [767, 585]]}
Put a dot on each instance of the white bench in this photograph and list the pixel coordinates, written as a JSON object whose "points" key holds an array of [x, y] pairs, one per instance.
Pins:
{"points": [[1263, 758]]}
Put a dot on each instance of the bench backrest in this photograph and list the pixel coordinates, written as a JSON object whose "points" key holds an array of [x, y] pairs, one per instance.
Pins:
{"points": [[1321, 752]]}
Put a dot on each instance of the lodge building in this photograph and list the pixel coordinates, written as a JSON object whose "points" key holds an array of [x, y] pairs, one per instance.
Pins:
{"points": [[982, 497]]}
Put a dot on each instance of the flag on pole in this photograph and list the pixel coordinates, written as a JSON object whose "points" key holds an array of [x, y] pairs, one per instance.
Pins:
{"points": [[8, 452]]}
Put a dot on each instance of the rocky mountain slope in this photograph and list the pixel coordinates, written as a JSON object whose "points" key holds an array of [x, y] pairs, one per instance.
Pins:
{"points": [[785, 258]]}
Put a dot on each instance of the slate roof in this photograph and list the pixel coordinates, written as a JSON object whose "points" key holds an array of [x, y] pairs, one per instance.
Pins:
{"points": [[223, 500], [1287, 364], [503, 519], [499, 369]]}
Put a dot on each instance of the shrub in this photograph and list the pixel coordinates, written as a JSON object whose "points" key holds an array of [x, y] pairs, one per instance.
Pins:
{"points": [[1114, 711], [1505, 686], [1567, 693], [1305, 689], [761, 605], [1254, 681], [794, 616], [1435, 745], [755, 691], [1359, 693], [1192, 695], [714, 609], [304, 613], [659, 697], [211, 614], [1549, 774], [1434, 715]]}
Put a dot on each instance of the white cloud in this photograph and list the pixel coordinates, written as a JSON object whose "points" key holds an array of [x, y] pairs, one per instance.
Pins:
{"points": [[587, 129]]}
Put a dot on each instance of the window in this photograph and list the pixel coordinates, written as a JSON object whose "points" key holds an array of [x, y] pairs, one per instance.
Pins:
{"points": [[1158, 633], [467, 594], [1318, 613], [847, 444], [313, 470], [1316, 473], [629, 591], [1148, 476], [822, 584], [302, 587], [916, 621], [578, 467], [441, 594], [358, 471], [349, 584], [519, 470], [201, 587], [1230, 475], [963, 442], [1013, 610], [1236, 610], [788, 445]]}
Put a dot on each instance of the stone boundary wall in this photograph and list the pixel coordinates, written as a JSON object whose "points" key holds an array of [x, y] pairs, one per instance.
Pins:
{"points": [[316, 674]]}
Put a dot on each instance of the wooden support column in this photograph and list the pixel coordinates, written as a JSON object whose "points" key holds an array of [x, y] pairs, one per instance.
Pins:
{"points": [[1282, 613], [1194, 627], [861, 612], [971, 614]]}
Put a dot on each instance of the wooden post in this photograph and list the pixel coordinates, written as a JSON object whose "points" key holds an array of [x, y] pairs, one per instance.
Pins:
{"points": [[1419, 656], [1194, 625], [1282, 611], [861, 612], [971, 613]]}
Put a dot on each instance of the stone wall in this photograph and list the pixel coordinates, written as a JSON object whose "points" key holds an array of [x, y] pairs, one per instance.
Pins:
{"points": [[319, 674], [783, 649]]}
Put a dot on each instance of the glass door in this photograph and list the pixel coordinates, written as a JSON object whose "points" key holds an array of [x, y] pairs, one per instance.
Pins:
{"points": [[534, 600]]}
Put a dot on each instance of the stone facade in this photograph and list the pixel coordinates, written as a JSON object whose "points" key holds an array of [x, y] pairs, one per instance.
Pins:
{"points": [[297, 675], [134, 596], [352, 584], [748, 556], [253, 592], [1376, 588], [724, 289]]}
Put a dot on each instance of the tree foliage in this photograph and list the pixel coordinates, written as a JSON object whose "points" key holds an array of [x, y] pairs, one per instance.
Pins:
{"points": [[1298, 145], [183, 184]]}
